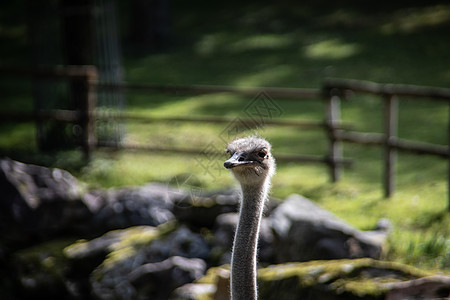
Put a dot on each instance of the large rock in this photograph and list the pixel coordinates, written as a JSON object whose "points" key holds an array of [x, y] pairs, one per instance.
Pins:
{"points": [[38, 272], [435, 287], [350, 280], [135, 255], [150, 204], [88, 257], [158, 280], [356, 279], [181, 242], [304, 231], [141, 262], [39, 203]]}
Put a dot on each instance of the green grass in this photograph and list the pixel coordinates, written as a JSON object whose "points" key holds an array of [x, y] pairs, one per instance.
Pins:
{"points": [[295, 45]]}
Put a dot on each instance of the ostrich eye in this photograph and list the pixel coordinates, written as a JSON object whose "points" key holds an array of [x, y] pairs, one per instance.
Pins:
{"points": [[262, 154]]}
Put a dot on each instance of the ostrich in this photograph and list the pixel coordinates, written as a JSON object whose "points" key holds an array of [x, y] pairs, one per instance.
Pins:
{"points": [[253, 166]]}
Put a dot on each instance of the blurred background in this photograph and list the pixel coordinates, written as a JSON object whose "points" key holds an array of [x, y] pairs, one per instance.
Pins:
{"points": [[262, 44]]}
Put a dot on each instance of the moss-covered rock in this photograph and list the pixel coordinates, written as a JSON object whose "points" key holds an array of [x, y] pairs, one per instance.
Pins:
{"points": [[148, 250], [366, 278], [339, 279], [41, 270]]}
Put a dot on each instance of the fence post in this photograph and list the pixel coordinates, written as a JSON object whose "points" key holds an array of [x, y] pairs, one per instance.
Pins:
{"points": [[448, 176], [390, 127], [333, 115], [87, 118]]}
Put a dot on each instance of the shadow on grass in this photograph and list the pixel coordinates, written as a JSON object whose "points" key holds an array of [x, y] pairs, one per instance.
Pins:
{"points": [[296, 45]]}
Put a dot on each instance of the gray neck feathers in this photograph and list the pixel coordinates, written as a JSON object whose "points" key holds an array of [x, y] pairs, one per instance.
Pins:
{"points": [[243, 261]]}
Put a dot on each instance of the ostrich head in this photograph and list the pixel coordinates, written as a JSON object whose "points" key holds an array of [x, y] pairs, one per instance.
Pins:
{"points": [[251, 161]]}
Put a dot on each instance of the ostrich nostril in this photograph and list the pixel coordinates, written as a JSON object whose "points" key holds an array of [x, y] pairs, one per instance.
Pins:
{"points": [[228, 164], [241, 159]]}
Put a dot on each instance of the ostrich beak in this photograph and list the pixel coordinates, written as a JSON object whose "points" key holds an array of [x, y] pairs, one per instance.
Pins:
{"points": [[237, 159]]}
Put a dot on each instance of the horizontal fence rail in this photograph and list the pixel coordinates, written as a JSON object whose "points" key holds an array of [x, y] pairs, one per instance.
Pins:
{"points": [[331, 94], [405, 90], [310, 124], [54, 72], [285, 93], [68, 116], [401, 144], [280, 157]]}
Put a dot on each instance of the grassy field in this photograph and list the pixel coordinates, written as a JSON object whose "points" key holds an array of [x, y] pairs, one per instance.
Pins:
{"points": [[267, 44]]}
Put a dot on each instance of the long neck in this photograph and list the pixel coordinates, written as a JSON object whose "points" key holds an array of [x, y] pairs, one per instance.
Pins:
{"points": [[243, 261]]}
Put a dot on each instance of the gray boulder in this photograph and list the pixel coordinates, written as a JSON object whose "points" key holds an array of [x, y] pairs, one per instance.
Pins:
{"points": [[158, 280], [181, 242], [150, 204], [136, 255], [37, 272], [344, 279], [434, 287], [141, 262], [38, 203], [305, 231]]}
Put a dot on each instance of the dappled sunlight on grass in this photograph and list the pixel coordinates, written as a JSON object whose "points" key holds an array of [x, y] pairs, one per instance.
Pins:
{"points": [[220, 43], [415, 19], [140, 168], [331, 49], [21, 137], [266, 77], [262, 42], [174, 134], [304, 179]]}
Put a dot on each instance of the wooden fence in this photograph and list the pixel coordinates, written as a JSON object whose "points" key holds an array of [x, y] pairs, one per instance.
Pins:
{"points": [[333, 91], [390, 94], [85, 118]]}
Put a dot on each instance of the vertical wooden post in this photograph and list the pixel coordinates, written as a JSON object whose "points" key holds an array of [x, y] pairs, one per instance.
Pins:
{"points": [[390, 127], [88, 118], [448, 176], [333, 116]]}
